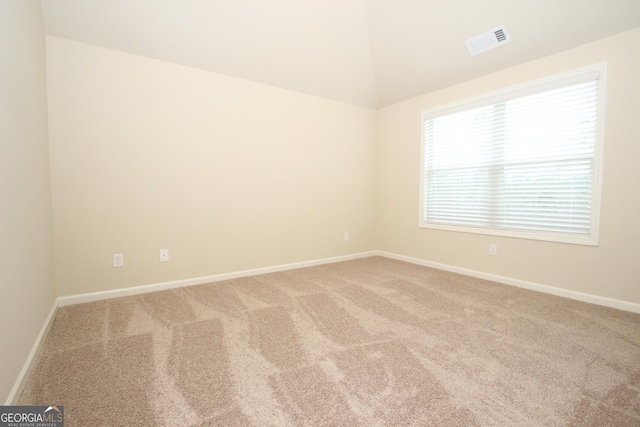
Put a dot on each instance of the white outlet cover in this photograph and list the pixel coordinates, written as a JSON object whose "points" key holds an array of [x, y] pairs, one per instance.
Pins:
{"points": [[164, 255], [118, 260]]}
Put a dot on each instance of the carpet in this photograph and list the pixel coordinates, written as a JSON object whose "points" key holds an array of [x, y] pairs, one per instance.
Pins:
{"points": [[368, 342]]}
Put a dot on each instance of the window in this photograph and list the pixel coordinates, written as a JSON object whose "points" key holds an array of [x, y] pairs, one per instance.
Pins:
{"points": [[525, 162]]}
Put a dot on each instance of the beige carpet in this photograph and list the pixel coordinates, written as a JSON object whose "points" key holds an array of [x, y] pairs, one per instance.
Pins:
{"points": [[370, 342]]}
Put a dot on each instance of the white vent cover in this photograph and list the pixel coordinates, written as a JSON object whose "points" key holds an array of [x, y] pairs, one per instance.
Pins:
{"points": [[489, 40]]}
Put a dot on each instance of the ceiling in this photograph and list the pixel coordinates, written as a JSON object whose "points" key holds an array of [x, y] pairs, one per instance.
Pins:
{"points": [[370, 53]]}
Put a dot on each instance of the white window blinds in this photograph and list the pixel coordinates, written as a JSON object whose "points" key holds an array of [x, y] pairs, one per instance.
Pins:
{"points": [[523, 162]]}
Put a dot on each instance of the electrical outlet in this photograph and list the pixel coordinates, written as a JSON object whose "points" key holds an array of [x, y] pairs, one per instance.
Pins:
{"points": [[346, 237], [164, 255], [118, 260], [493, 249]]}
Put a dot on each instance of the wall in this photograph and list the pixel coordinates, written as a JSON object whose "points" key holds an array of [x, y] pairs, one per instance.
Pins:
{"points": [[26, 260], [610, 270], [227, 174]]}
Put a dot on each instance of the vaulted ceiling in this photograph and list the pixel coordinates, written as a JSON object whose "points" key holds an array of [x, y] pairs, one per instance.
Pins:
{"points": [[371, 53]]}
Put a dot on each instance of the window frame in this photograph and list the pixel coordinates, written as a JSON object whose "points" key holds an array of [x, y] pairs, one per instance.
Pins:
{"points": [[596, 71]]}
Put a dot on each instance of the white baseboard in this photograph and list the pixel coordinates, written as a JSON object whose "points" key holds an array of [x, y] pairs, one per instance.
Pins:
{"points": [[579, 296], [137, 290], [16, 391]]}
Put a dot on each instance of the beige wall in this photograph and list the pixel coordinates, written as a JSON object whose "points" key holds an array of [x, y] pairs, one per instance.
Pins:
{"points": [[232, 175], [610, 270], [227, 174], [26, 261]]}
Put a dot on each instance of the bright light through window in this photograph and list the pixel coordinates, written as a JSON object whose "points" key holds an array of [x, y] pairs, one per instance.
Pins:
{"points": [[523, 163]]}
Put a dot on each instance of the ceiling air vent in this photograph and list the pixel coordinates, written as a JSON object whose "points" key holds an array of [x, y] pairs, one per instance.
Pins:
{"points": [[489, 40]]}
